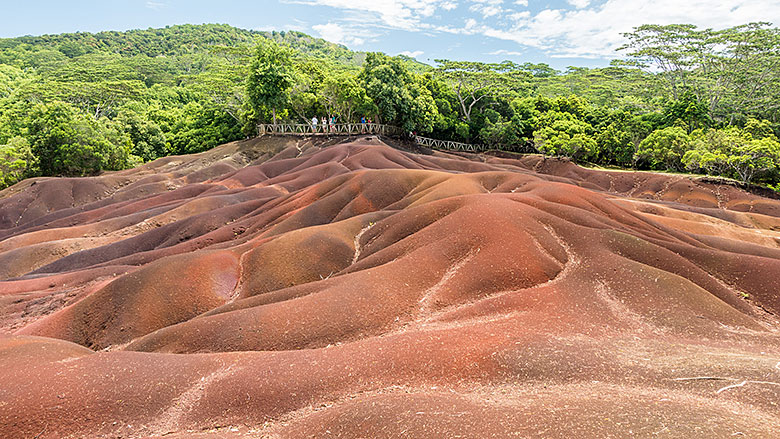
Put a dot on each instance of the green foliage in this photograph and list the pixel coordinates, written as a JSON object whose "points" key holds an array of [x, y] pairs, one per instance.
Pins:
{"points": [[562, 134], [67, 142], [75, 104], [344, 97], [16, 161], [501, 134], [759, 129], [147, 137], [399, 95], [475, 82], [664, 148], [687, 111], [614, 145], [733, 152], [731, 72], [197, 127], [270, 78]]}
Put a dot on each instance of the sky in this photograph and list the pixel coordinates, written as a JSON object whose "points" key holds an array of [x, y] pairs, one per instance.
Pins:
{"points": [[561, 33]]}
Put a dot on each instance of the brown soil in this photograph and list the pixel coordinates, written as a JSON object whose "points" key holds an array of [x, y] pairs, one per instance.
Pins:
{"points": [[289, 288]]}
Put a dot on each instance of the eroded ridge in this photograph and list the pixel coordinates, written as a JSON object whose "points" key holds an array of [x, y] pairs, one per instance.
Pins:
{"points": [[296, 288]]}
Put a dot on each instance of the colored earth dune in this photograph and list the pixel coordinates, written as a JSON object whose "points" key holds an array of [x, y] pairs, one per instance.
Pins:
{"points": [[285, 288]]}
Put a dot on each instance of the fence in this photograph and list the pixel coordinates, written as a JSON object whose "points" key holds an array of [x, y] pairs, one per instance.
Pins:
{"points": [[350, 129], [339, 129], [448, 144]]}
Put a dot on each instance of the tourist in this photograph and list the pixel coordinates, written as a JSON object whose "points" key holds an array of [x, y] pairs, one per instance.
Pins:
{"points": [[314, 124]]}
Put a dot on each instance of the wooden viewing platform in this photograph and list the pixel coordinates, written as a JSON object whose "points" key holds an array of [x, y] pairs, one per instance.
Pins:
{"points": [[354, 129], [448, 144], [339, 129]]}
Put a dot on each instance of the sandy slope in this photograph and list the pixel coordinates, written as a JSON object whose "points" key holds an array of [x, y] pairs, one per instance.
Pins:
{"points": [[276, 288]]}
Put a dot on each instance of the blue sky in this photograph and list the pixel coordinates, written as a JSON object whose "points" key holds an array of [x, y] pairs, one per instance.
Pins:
{"points": [[560, 33]]}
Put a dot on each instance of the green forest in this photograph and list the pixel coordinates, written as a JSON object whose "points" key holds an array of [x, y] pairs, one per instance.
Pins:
{"points": [[678, 98]]}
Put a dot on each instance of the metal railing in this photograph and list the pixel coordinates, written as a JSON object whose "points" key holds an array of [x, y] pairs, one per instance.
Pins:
{"points": [[338, 129]]}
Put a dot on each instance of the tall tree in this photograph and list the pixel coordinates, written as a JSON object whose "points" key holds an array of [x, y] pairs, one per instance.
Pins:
{"points": [[674, 50], [270, 78], [475, 81], [344, 96], [735, 72], [398, 94], [16, 161], [67, 142]]}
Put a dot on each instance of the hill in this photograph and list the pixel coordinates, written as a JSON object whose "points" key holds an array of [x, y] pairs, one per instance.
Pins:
{"points": [[78, 104], [122, 98], [279, 287], [178, 40]]}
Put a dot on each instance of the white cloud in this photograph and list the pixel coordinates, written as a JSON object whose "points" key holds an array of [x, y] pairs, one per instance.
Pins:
{"points": [[156, 5], [579, 28], [335, 33], [579, 4], [596, 31], [505, 52], [296, 24], [414, 54], [401, 14], [488, 8], [517, 16]]}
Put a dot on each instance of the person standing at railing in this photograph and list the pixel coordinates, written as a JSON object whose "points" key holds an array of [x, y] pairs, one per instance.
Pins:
{"points": [[324, 124], [363, 124], [333, 124], [314, 124]]}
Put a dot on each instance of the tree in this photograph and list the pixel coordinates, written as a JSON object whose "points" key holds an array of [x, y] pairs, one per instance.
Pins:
{"points": [[500, 134], [398, 94], [742, 72], [735, 150], [614, 145], [475, 81], [540, 70], [664, 148], [270, 78], [147, 137], [709, 153], [687, 110], [343, 95], [16, 161], [751, 158], [197, 127], [562, 134], [673, 49], [308, 80], [67, 142], [759, 129], [224, 81], [732, 72]]}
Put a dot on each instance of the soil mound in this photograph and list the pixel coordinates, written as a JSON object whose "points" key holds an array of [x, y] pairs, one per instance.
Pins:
{"points": [[281, 287]]}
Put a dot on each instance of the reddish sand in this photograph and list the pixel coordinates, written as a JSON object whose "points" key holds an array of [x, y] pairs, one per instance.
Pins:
{"points": [[284, 288]]}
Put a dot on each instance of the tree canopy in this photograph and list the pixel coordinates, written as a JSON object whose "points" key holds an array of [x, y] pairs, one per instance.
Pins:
{"points": [[681, 99]]}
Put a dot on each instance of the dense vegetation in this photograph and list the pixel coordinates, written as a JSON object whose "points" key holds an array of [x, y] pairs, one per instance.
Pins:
{"points": [[682, 99]]}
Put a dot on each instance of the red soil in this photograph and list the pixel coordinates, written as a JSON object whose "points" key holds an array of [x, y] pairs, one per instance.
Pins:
{"points": [[274, 288]]}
